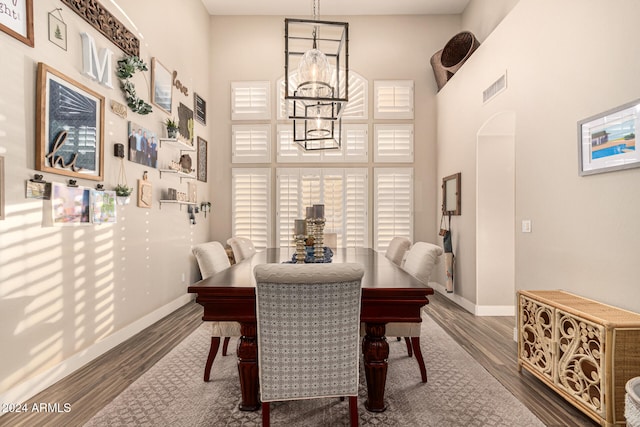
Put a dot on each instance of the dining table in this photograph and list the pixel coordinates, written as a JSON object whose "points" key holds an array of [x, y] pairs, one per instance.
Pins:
{"points": [[389, 294]]}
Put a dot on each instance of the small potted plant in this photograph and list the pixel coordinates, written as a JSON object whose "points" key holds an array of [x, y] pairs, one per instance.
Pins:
{"points": [[123, 193], [172, 128]]}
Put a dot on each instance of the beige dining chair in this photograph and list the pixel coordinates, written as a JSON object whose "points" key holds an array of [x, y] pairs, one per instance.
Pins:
{"points": [[242, 247], [419, 262], [300, 357], [397, 250], [212, 258]]}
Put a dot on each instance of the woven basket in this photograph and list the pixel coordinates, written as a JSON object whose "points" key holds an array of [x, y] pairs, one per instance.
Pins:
{"points": [[632, 402]]}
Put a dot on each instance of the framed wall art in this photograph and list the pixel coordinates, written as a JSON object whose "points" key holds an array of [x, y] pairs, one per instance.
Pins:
{"points": [[16, 19], [57, 31], [143, 145], [202, 160], [69, 126], [451, 186], [70, 205], [200, 109], [185, 124], [607, 141], [160, 86]]}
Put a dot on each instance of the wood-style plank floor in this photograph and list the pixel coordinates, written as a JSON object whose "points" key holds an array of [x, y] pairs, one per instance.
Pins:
{"points": [[488, 339]]}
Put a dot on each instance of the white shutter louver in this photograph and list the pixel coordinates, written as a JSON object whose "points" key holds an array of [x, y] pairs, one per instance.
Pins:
{"points": [[393, 99], [393, 143], [250, 100], [250, 143], [393, 205], [251, 205]]}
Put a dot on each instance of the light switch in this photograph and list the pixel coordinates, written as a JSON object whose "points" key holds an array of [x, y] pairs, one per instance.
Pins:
{"points": [[526, 226]]}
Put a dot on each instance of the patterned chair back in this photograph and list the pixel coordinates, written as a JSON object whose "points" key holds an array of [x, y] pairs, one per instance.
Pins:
{"points": [[308, 319]]}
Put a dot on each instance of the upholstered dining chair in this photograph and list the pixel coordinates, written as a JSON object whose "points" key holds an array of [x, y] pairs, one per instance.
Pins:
{"points": [[242, 247], [419, 262], [397, 249], [308, 321], [212, 258]]}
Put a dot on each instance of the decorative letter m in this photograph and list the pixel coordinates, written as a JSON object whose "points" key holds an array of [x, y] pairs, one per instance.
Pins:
{"points": [[91, 63]]}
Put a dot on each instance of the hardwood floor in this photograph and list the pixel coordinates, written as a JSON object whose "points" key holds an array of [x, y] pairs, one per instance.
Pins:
{"points": [[488, 339]]}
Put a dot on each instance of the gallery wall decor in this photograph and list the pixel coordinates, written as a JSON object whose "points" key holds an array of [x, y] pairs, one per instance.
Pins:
{"points": [[160, 86], [185, 124], [607, 141], [57, 29], [71, 205], [143, 145], [451, 197], [103, 207], [145, 192], [69, 126], [200, 109], [126, 68], [102, 20], [202, 160], [16, 19], [178, 84]]}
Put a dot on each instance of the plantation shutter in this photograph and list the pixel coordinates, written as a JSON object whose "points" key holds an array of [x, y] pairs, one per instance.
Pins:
{"points": [[250, 100], [250, 143], [393, 143], [251, 205], [393, 99], [393, 205]]}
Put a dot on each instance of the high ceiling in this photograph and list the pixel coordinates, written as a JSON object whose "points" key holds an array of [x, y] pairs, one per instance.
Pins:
{"points": [[335, 7]]}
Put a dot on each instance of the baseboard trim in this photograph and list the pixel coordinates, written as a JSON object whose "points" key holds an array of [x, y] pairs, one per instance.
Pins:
{"points": [[40, 382], [477, 310]]}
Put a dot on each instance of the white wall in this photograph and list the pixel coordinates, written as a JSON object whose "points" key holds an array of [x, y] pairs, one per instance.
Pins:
{"points": [[68, 293], [481, 17], [585, 229]]}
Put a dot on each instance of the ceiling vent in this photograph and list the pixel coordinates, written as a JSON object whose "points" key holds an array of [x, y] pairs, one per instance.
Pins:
{"points": [[495, 88]]}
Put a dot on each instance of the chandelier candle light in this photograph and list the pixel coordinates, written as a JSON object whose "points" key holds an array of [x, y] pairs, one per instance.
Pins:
{"points": [[316, 73]]}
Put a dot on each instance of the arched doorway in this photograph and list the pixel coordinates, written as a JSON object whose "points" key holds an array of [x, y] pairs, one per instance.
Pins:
{"points": [[495, 215]]}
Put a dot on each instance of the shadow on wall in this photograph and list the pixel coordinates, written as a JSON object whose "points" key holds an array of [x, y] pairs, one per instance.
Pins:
{"points": [[448, 60]]}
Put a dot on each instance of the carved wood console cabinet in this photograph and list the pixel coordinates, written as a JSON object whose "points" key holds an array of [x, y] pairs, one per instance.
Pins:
{"points": [[584, 350]]}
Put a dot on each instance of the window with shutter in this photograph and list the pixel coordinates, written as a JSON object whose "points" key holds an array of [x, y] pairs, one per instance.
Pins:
{"points": [[355, 144], [250, 205], [393, 99], [250, 143], [393, 143], [250, 100], [342, 191], [393, 205]]}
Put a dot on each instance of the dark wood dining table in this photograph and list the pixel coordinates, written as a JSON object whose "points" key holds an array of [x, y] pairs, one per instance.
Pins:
{"points": [[389, 294]]}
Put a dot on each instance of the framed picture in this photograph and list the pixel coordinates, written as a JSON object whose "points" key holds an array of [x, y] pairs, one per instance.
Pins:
{"points": [[185, 124], [69, 126], [57, 32], [143, 145], [71, 205], [451, 186], [16, 19], [103, 207], [607, 141], [145, 193], [202, 160], [160, 86], [1, 187], [200, 108]]}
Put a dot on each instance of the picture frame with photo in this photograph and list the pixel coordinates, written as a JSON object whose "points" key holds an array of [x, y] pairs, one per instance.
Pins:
{"points": [[202, 160], [143, 145], [607, 141], [57, 32], [17, 20], [161, 86], [70, 205], [200, 109], [69, 126]]}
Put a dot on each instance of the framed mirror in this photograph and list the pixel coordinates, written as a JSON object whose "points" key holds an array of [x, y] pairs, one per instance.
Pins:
{"points": [[451, 194]]}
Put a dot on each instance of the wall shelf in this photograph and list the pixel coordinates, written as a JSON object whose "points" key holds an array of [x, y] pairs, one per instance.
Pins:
{"points": [[182, 175], [176, 202], [177, 143]]}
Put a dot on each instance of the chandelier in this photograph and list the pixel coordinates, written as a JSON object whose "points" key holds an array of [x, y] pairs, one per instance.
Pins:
{"points": [[316, 73]]}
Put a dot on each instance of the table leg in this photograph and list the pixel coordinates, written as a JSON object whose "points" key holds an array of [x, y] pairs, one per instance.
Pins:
{"points": [[375, 349], [248, 367]]}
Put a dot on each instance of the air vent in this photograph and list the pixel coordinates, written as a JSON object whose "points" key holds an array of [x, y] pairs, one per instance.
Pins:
{"points": [[495, 88]]}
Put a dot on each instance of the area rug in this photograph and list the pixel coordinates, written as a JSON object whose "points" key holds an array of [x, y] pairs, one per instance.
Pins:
{"points": [[460, 392]]}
